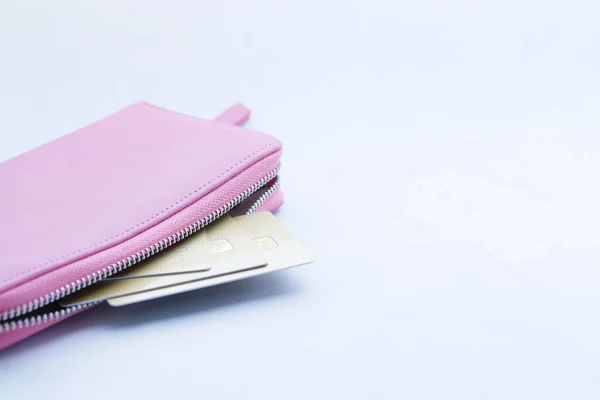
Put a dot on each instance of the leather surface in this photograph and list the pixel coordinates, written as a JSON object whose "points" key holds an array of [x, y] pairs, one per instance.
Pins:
{"points": [[107, 182]]}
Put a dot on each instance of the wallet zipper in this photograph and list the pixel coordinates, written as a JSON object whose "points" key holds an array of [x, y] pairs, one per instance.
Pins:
{"points": [[263, 198], [8, 325]]}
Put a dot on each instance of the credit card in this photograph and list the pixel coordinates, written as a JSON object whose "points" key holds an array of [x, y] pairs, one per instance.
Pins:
{"points": [[189, 254], [268, 236], [226, 249], [183, 257]]}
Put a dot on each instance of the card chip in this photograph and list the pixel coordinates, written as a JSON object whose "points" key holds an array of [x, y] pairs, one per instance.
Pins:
{"points": [[219, 246], [265, 243]]}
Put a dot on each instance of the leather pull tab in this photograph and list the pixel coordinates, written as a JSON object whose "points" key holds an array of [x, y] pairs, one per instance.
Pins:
{"points": [[237, 114]]}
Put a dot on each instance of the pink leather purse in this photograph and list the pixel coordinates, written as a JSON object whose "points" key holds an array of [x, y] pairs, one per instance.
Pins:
{"points": [[105, 197]]}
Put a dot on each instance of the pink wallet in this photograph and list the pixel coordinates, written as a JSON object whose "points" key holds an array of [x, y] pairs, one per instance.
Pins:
{"points": [[103, 198]]}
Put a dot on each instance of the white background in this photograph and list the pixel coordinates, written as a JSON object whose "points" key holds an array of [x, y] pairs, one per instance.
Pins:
{"points": [[441, 162]]}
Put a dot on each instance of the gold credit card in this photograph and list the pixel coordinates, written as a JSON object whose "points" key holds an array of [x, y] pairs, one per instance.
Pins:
{"points": [[268, 236], [183, 257], [221, 248]]}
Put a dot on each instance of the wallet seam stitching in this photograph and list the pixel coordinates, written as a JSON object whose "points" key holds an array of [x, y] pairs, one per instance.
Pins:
{"points": [[140, 223]]}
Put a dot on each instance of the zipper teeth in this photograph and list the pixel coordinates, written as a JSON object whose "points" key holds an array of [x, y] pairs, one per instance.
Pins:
{"points": [[129, 261], [30, 322], [263, 198]]}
